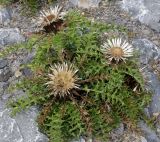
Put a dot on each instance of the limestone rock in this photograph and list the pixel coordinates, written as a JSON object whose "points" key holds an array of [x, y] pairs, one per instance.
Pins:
{"points": [[3, 63], [10, 36], [21, 128], [146, 11], [27, 72], [5, 15], [150, 135], [149, 53], [85, 3], [117, 133], [3, 86], [5, 74]]}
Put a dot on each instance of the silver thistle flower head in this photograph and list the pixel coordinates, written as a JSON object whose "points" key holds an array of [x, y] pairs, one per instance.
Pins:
{"points": [[117, 50], [52, 15], [62, 79]]}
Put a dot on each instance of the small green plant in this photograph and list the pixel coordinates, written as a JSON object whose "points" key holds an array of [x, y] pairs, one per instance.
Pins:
{"points": [[5, 2], [32, 5], [89, 101]]}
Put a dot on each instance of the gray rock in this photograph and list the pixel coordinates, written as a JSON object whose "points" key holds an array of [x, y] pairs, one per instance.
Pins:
{"points": [[150, 53], [14, 95], [21, 128], [28, 126], [155, 86], [22, 59], [150, 135], [9, 130], [10, 36], [81, 139], [27, 72], [146, 11], [5, 74], [120, 130], [29, 57], [158, 129], [5, 15], [3, 63], [117, 133], [85, 3], [148, 50], [3, 86]]}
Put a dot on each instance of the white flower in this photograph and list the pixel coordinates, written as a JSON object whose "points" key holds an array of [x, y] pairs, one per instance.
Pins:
{"points": [[49, 16], [116, 50], [62, 79]]}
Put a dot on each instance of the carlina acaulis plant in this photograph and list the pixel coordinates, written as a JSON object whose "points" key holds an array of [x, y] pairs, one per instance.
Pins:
{"points": [[51, 20], [115, 50], [77, 92], [63, 78]]}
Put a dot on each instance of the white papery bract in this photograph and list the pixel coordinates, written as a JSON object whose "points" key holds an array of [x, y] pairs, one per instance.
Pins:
{"points": [[62, 79], [51, 15], [116, 49]]}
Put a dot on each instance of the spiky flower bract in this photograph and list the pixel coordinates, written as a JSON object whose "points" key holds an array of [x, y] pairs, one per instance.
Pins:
{"points": [[117, 50], [52, 15], [62, 79]]}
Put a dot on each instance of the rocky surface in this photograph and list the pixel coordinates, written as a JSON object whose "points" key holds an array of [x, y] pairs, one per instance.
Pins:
{"points": [[21, 128], [13, 26], [5, 16], [3, 63], [149, 55], [5, 74], [10, 36], [150, 134], [85, 3], [146, 11]]}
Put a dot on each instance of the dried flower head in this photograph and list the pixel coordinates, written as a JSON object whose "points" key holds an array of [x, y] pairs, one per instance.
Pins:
{"points": [[117, 50], [62, 79], [49, 16]]}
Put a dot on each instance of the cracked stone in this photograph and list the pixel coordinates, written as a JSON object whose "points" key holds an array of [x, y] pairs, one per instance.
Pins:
{"points": [[5, 74], [148, 52], [150, 135], [21, 128], [146, 11], [9, 130], [5, 15], [10, 36], [3, 63], [3, 86], [85, 3], [27, 72], [116, 133]]}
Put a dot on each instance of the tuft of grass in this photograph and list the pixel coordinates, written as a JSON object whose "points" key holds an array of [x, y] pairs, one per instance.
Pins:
{"points": [[106, 96]]}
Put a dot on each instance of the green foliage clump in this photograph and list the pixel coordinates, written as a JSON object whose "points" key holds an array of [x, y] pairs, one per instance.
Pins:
{"points": [[106, 95], [32, 5], [5, 1]]}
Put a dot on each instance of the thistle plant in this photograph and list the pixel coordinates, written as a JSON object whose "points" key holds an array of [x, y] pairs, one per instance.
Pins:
{"points": [[84, 96], [116, 50], [62, 79], [51, 19]]}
